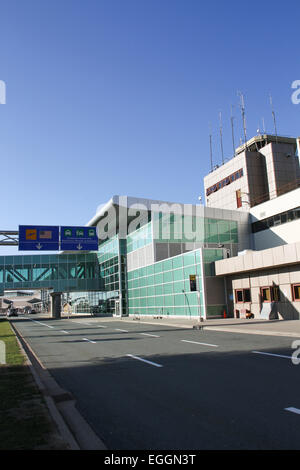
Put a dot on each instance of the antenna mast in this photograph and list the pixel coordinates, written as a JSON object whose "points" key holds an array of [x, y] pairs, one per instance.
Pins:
{"points": [[221, 138], [242, 105], [232, 130], [274, 119], [210, 147]]}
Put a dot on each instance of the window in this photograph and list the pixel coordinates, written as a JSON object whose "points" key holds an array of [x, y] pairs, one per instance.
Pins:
{"points": [[247, 295], [275, 220], [265, 293], [296, 292], [220, 184], [283, 218], [275, 292], [270, 294], [242, 295], [238, 296]]}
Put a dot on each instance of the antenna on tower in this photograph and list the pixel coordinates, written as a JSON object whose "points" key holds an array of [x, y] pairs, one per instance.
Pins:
{"points": [[221, 137], [263, 124], [274, 118], [232, 130], [210, 147], [242, 106]]}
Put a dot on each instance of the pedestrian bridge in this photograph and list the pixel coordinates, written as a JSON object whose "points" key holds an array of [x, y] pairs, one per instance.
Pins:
{"points": [[60, 272]]}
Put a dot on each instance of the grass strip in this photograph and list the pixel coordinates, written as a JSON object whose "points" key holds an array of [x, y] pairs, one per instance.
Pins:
{"points": [[25, 423]]}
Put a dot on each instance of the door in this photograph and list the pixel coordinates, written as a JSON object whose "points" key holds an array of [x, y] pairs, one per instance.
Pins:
{"points": [[117, 308]]}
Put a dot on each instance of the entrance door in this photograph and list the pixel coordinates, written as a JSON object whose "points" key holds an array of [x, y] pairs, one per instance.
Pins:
{"points": [[117, 308]]}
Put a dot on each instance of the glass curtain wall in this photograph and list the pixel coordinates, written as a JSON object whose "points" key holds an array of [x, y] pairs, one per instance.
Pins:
{"points": [[164, 287], [109, 266]]}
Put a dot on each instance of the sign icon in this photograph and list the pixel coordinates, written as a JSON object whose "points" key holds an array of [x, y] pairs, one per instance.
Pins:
{"points": [[38, 237], [79, 239], [31, 234]]}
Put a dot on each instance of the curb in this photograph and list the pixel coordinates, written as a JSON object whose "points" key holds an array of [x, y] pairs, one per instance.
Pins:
{"points": [[73, 428], [226, 329]]}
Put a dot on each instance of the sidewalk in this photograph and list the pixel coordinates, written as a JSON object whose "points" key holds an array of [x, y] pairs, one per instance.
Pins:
{"points": [[253, 326]]}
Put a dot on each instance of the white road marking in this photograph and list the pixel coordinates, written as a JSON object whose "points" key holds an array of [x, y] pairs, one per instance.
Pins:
{"points": [[203, 344], [144, 360], [40, 323], [293, 410], [100, 326], [63, 331], [148, 334], [118, 329], [271, 354], [89, 340]]}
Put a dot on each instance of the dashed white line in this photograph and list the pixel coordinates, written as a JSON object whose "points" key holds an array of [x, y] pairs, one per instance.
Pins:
{"points": [[63, 331], [272, 354], [148, 334], [89, 340], [293, 410], [144, 360], [119, 329], [40, 323], [202, 344]]}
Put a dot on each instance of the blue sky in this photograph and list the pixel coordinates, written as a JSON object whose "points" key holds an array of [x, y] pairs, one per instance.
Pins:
{"points": [[111, 97]]}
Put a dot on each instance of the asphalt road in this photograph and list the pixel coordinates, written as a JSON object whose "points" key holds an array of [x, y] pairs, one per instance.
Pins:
{"points": [[154, 387]]}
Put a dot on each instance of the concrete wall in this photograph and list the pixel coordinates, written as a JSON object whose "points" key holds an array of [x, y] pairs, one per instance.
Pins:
{"points": [[279, 266], [282, 166], [283, 278], [282, 203], [277, 257]]}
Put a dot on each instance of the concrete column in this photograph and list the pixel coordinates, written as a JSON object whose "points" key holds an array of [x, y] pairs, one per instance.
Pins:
{"points": [[56, 304]]}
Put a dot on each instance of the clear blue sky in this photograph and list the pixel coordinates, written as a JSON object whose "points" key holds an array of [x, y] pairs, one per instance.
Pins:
{"points": [[115, 97]]}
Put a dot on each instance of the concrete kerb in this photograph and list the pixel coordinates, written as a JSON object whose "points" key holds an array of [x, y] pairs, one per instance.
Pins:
{"points": [[73, 428], [289, 328]]}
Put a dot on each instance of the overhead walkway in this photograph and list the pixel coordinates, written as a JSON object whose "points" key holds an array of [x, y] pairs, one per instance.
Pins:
{"points": [[58, 272]]}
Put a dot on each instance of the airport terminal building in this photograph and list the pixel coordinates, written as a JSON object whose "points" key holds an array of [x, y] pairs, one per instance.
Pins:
{"points": [[159, 258]]}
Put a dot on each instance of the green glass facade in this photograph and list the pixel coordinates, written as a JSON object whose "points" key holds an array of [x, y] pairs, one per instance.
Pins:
{"points": [[139, 238], [164, 287]]}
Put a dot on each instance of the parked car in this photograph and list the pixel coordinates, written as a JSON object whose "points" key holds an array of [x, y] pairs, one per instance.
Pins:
{"points": [[32, 311], [13, 312]]}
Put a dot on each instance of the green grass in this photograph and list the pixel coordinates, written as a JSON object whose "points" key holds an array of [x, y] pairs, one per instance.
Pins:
{"points": [[24, 419]]}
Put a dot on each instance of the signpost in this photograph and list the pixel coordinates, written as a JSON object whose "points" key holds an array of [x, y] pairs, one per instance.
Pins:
{"points": [[78, 239], [38, 238]]}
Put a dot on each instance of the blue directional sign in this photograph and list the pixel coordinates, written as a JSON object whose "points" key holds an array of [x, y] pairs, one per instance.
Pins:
{"points": [[78, 239], [38, 238]]}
